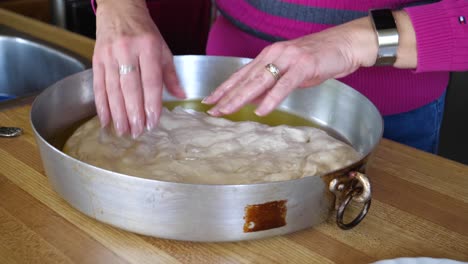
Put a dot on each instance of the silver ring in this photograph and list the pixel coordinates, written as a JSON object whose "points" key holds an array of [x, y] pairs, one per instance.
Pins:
{"points": [[271, 68], [125, 69]]}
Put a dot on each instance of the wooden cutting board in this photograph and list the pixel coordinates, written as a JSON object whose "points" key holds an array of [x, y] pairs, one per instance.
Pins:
{"points": [[420, 208]]}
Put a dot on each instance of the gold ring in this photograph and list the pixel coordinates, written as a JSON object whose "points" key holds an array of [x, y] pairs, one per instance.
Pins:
{"points": [[124, 69], [271, 68]]}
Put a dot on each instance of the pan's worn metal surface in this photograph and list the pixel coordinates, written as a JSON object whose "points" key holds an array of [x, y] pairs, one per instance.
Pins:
{"points": [[207, 212]]}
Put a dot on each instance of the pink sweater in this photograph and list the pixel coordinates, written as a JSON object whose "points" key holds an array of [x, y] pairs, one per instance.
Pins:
{"points": [[247, 26]]}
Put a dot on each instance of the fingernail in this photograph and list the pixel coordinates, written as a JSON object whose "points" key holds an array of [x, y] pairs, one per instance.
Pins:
{"points": [[152, 120], [102, 121], [119, 129], [149, 125], [205, 100], [180, 95], [135, 134], [258, 112], [261, 111], [209, 99], [137, 127], [213, 112], [102, 118]]}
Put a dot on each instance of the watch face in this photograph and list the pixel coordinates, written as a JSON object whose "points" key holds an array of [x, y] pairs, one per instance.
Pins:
{"points": [[383, 19]]}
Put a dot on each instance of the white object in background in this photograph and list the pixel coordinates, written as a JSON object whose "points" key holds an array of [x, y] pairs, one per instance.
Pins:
{"points": [[420, 260]]}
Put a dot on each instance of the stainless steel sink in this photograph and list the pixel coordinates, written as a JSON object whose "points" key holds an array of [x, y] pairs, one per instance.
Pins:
{"points": [[29, 65]]}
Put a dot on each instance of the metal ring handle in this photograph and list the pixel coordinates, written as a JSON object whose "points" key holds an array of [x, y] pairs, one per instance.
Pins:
{"points": [[366, 192], [342, 208], [338, 185]]}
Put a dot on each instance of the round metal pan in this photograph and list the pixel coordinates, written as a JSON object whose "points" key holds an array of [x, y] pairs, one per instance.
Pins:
{"points": [[199, 212]]}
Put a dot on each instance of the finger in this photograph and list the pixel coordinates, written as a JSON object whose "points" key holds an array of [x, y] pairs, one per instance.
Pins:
{"points": [[269, 54], [100, 95], [285, 85], [115, 98], [152, 81], [170, 76], [234, 91], [259, 99], [230, 86], [227, 85], [132, 92], [256, 85], [261, 81]]}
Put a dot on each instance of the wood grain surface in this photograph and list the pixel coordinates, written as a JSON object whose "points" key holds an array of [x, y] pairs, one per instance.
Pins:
{"points": [[419, 208], [37, 9]]}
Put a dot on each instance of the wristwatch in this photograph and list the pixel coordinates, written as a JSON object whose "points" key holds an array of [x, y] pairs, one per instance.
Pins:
{"points": [[387, 35]]}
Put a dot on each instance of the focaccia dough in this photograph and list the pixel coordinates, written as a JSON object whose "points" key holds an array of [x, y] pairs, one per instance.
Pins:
{"points": [[193, 147]]}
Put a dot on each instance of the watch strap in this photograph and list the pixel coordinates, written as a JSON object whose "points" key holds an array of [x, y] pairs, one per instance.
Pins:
{"points": [[387, 35]]}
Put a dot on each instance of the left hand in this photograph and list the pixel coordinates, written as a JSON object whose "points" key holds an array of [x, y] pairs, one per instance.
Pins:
{"points": [[302, 62]]}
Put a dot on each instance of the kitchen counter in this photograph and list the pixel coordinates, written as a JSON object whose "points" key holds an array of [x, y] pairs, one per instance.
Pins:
{"points": [[419, 208], [78, 44]]}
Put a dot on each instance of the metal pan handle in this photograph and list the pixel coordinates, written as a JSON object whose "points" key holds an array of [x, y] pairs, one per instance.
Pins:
{"points": [[354, 187]]}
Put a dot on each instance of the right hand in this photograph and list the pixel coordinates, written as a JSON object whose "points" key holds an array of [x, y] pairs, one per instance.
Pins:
{"points": [[126, 35]]}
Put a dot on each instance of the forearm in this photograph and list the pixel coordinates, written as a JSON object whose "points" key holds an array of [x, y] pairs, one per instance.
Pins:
{"points": [[121, 2], [128, 17], [365, 45], [126, 6], [406, 52]]}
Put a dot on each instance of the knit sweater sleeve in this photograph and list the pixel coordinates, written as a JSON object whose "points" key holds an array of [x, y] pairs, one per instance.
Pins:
{"points": [[441, 35]]}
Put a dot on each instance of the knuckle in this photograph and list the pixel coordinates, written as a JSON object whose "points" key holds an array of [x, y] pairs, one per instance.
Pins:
{"points": [[124, 44], [148, 39], [279, 46], [101, 53], [274, 48], [150, 86], [106, 52], [286, 83], [149, 43], [97, 59], [133, 109], [150, 106], [238, 72], [239, 97], [130, 87], [98, 90], [293, 50], [112, 90], [275, 96], [259, 78], [170, 70], [149, 81]]}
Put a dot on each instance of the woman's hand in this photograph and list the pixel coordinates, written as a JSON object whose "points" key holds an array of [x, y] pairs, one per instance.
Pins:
{"points": [[127, 36], [303, 62]]}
